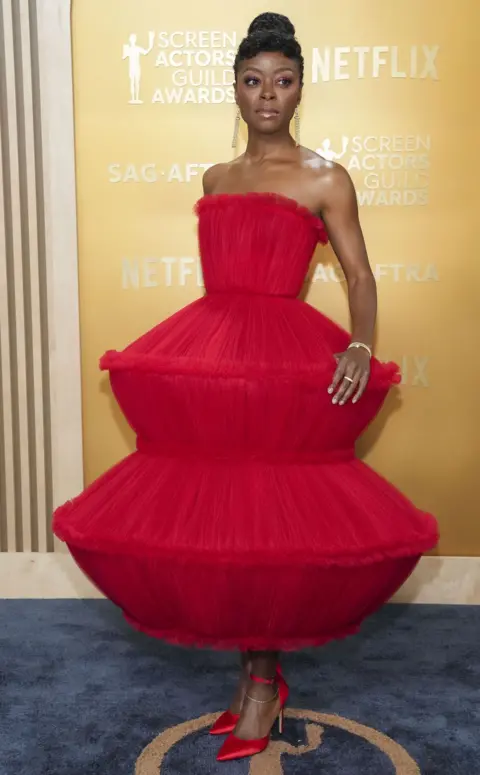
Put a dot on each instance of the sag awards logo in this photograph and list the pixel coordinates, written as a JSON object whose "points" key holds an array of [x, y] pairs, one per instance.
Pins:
{"points": [[196, 66], [151, 172], [394, 759], [386, 170], [396, 273]]}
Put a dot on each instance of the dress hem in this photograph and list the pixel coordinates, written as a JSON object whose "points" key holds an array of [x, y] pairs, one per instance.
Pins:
{"points": [[261, 643]]}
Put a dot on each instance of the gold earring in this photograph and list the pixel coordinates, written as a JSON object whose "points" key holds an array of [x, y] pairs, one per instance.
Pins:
{"points": [[236, 127], [297, 126]]}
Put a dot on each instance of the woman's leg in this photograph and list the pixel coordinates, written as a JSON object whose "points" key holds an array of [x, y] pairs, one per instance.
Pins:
{"points": [[238, 697], [257, 717]]}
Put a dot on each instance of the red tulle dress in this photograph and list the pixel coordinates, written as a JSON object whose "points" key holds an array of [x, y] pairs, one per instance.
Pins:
{"points": [[243, 519]]}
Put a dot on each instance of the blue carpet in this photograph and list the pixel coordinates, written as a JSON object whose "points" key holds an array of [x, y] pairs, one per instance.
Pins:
{"points": [[83, 694]]}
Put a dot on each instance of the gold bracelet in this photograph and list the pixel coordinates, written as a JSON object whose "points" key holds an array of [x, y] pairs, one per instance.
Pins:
{"points": [[362, 345]]}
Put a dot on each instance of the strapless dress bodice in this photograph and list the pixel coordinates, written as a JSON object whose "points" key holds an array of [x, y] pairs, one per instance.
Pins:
{"points": [[258, 243]]}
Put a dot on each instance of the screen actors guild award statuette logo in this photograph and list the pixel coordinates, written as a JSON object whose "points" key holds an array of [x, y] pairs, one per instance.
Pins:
{"points": [[327, 151], [133, 52]]}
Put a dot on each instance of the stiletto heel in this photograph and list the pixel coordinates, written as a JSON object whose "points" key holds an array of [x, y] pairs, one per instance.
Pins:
{"points": [[228, 721], [235, 747]]}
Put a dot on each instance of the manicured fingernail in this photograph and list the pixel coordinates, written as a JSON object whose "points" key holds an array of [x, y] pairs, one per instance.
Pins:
{"points": [[330, 390], [342, 403], [334, 400]]}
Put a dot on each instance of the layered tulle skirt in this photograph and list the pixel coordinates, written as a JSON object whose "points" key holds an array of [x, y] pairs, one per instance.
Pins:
{"points": [[243, 518]]}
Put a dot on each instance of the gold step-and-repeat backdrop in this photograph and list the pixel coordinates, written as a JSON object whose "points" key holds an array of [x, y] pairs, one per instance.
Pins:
{"points": [[391, 93]]}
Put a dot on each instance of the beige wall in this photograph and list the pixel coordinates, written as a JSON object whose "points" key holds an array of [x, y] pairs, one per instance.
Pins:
{"points": [[40, 423]]}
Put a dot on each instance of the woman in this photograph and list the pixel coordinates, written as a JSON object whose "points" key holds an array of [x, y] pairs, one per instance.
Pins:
{"points": [[243, 519]]}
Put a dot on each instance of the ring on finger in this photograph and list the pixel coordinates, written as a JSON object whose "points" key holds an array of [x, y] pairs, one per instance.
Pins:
{"points": [[349, 379]]}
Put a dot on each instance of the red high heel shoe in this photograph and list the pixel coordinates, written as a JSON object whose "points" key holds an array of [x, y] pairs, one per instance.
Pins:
{"points": [[225, 723], [236, 748], [228, 721]]}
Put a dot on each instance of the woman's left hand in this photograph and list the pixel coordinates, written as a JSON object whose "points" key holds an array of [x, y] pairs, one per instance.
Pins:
{"points": [[351, 375]]}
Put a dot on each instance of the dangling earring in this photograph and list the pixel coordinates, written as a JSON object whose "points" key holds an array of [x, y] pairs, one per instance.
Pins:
{"points": [[297, 126], [236, 127]]}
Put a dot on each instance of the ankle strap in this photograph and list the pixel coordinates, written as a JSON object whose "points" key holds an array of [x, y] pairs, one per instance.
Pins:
{"points": [[259, 680]]}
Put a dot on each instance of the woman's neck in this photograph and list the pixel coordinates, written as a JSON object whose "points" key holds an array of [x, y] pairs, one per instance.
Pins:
{"points": [[264, 147]]}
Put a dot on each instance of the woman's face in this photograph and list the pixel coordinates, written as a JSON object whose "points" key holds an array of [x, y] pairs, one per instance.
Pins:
{"points": [[267, 91]]}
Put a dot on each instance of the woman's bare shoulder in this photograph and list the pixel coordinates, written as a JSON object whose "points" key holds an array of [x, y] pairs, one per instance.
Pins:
{"points": [[325, 171], [215, 174], [325, 179], [314, 161]]}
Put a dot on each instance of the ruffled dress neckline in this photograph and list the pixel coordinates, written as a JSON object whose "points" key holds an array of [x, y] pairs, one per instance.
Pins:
{"points": [[269, 199]]}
